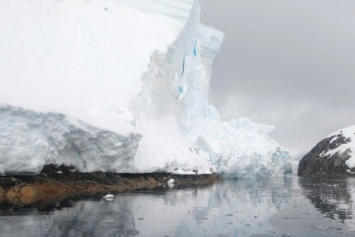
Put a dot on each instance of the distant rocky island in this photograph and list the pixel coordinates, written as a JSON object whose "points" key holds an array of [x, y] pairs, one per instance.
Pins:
{"points": [[332, 156]]}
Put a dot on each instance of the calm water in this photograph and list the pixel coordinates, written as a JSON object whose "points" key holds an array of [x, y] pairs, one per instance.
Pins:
{"points": [[288, 206]]}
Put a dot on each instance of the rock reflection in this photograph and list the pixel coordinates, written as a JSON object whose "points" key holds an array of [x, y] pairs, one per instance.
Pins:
{"points": [[332, 197], [230, 208], [83, 218]]}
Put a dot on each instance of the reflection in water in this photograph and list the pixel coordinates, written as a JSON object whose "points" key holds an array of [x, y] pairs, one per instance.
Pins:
{"points": [[230, 208], [84, 218], [331, 196]]}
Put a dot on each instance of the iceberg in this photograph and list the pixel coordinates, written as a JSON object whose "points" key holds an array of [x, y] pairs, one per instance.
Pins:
{"points": [[119, 86]]}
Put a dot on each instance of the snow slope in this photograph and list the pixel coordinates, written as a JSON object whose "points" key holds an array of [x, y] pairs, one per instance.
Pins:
{"points": [[122, 86]]}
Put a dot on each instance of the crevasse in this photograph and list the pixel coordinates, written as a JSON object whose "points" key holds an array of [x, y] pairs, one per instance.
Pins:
{"points": [[119, 86]]}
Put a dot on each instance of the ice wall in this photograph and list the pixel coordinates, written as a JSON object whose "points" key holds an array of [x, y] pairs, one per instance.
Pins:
{"points": [[122, 86], [29, 140]]}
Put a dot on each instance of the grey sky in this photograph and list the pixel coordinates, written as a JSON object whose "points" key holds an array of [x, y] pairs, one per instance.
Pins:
{"points": [[289, 63]]}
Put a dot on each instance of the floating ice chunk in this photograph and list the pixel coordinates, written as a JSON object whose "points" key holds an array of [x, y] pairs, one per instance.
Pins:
{"points": [[109, 197], [170, 183]]}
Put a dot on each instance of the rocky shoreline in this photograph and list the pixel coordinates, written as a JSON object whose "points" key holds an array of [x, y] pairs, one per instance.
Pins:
{"points": [[55, 184]]}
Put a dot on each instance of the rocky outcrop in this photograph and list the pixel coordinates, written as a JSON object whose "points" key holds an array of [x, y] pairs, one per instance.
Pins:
{"points": [[332, 156], [56, 183]]}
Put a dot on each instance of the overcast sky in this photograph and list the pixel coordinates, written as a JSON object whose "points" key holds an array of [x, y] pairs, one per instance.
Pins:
{"points": [[288, 63]]}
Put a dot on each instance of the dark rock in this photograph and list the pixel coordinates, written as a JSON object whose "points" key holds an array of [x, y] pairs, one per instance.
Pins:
{"points": [[321, 161]]}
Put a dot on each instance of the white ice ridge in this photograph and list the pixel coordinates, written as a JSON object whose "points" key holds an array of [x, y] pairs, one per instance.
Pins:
{"points": [[121, 86]]}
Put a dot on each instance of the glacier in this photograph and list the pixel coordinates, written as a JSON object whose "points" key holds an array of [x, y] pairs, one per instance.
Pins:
{"points": [[119, 86]]}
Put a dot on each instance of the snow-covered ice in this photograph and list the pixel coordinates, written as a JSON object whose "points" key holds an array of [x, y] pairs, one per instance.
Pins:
{"points": [[121, 86]]}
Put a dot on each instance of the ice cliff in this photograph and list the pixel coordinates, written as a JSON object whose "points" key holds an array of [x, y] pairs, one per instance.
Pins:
{"points": [[121, 86]]}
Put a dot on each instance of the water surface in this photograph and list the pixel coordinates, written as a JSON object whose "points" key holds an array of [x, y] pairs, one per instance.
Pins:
{"points": [[289, 206]]}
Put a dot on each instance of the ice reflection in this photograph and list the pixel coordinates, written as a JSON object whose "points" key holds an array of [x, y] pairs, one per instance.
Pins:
{"points": [[332, 197], [238, 208], [230, 208]]}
